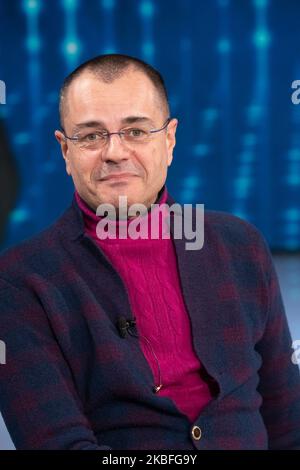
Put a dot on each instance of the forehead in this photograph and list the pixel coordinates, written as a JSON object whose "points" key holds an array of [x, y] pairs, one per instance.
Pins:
{"points": [[89, 98]]}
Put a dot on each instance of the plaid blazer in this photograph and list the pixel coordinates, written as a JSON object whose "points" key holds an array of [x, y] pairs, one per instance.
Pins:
{"points": [[71, 382]]}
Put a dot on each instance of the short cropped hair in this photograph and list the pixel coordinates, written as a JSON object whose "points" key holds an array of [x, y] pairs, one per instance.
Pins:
{"points": [[109, 67]]}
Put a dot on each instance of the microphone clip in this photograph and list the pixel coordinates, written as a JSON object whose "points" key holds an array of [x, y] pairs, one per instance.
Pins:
{"points": [[124, 325]]}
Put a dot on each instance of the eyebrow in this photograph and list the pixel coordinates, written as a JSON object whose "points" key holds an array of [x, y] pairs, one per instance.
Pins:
{"points": [[127, 120]]}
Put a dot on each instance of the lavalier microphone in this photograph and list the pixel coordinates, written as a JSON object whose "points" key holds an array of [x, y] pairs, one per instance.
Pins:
{"points": [[124, 327]]}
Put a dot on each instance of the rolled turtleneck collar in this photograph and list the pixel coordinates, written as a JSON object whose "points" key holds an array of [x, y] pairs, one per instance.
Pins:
{"points": [[95, 230]]}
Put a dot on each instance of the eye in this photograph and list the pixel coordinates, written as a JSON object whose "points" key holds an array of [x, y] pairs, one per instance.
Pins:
{"points": [[136, 132], [93, 137]]}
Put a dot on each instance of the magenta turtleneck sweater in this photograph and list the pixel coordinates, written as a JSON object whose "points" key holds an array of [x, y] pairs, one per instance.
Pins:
{"points": [[148, 267]]}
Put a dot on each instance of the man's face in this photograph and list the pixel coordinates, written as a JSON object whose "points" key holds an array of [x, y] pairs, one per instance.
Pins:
{"points": [[108, 105]]}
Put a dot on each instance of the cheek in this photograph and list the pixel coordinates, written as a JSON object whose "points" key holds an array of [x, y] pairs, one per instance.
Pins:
{"points": [[158, 159], [81, 168]]}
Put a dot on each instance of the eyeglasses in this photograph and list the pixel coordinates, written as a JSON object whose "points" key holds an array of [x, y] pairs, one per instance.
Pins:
{"points": [[98, 139]]}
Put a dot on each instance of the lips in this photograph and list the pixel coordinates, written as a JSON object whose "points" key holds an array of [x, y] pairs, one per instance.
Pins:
{"points": [[117, 176]]}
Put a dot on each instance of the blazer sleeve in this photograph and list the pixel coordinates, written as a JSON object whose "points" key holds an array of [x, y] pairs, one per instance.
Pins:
{"points": [[38, 399], [279, 383]]}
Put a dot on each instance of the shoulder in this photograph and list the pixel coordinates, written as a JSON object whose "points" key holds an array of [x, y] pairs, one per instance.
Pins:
{"points": [[218, 225], [243, 241], [231, 227], [35, 254]]}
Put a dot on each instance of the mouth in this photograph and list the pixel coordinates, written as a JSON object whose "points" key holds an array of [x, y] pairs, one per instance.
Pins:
{"points": [[117, 176]]}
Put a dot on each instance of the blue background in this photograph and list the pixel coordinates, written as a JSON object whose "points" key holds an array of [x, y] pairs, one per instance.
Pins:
{"points": [[228, 66]]}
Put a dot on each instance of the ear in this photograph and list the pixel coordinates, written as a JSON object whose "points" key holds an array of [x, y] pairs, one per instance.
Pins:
{"points": [[171, 139], [64, 149]]}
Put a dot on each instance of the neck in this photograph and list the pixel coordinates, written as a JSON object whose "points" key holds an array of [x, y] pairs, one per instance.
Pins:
{"points": [[162, 194], [91, 220]]}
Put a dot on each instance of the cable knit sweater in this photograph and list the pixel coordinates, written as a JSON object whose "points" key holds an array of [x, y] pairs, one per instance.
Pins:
{"points": [[148, 267]]}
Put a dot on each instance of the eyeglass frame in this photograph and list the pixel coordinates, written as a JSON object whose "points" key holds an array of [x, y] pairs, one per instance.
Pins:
{"points": [[120, 133]]}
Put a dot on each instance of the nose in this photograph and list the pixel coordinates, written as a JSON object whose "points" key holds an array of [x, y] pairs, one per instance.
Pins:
{"points": [[114, 148]]}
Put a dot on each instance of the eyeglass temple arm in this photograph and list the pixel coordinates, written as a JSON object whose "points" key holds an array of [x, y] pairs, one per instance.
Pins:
{"points": [[66, 137], [163, 127]]}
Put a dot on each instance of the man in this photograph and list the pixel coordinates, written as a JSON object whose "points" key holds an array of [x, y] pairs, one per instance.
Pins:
{"points": [[121, 343]]}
